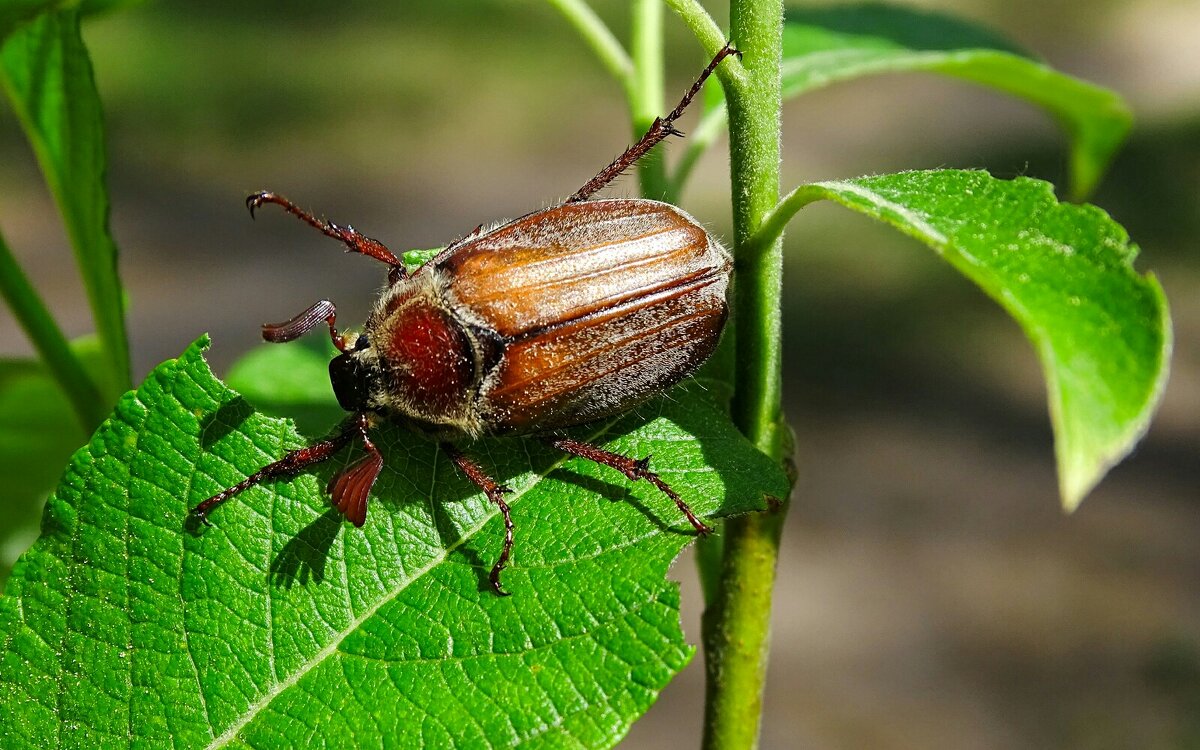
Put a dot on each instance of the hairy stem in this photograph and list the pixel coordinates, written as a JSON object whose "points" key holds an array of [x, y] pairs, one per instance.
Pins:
{"points": [[647, 101], [736, 624]]}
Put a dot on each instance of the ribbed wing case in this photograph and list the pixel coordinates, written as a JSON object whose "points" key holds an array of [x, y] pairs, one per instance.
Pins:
{"points": [[594, 307]]}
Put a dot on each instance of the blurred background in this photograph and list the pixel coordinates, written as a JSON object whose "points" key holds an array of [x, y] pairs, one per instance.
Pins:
{"points": [[931, 593]]}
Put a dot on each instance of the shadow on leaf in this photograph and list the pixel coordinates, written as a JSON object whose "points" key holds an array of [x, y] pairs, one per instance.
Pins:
{"points": [[305, 556], [617, 491], [226, 419]]}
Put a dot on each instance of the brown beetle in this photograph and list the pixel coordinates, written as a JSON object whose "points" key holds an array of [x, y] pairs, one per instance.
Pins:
{"points": [[565, 316]]}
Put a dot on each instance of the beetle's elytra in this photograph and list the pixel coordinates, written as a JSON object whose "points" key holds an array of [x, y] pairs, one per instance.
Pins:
{"points": [[564, 316]]}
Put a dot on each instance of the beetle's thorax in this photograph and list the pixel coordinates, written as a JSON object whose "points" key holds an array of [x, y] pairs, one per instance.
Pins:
{"points": [[423, 359]]}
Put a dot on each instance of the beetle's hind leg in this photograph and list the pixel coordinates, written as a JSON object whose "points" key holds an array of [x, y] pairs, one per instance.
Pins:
{"points": [[495, 493], [659, 130], [634, 469], [348, 235]]}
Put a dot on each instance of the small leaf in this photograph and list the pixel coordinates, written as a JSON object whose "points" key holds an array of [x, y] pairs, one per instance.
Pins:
{"points": [[13, 13], [825, 45], [38, 433], [290, 381], [1065, 272], [282, 626], [414, 259], [47, 75]]}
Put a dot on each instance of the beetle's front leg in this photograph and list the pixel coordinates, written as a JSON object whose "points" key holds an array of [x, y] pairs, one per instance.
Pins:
{"points": [[495, 493], [635, 469], [293, 462], [349, 236]]}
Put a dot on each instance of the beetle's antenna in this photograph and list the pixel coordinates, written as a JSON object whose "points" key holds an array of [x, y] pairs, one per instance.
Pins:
{"points": [[323, 310], [292, 463], [352, 486], [348, 235], [659, 130]]}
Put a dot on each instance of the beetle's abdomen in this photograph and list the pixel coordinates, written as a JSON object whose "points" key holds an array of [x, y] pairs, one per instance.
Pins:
{"points": [[600, 305]]}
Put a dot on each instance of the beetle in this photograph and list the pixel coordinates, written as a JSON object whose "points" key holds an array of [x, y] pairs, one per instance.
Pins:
{"points": [[565, 316]]}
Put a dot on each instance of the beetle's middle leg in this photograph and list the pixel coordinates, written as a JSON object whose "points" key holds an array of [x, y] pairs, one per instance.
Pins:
{"points": [[349, 236], [635, 469], [659, 130], [495, 493]]}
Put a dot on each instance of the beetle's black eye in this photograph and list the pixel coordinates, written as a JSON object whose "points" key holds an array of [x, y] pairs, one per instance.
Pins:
{"points": [[361, 342], [351, 382]]}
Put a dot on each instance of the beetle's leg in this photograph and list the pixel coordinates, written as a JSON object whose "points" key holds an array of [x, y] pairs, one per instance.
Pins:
{"points": [[355, 241], [278, 333], [495, 493], [292, 463], [659, 129], [634, 469]]}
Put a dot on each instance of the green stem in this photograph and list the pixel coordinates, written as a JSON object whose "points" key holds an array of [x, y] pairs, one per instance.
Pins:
{"points": [[729, 73], [736, 624], [598, 36], [776, 220], [710, 36], [48, 339], [647, 102], [699, 139]]}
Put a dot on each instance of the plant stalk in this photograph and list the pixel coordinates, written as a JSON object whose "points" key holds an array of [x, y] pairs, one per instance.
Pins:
{"points": [[736, 624], [50, 342], [646, 49], [597, 35]]}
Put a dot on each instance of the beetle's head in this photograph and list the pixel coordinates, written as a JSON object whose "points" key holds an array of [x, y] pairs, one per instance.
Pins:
{"points": [[351, 377]]}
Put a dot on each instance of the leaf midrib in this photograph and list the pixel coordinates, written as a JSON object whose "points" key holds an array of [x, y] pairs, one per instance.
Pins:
{"points": [[329, 649]]}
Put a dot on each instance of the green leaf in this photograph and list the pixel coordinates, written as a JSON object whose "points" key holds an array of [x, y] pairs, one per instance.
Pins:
{"points": [[47, 75], [38, 433], [825, 45], [1065, 272], [290, 381], [13, 13], [282, 626]]}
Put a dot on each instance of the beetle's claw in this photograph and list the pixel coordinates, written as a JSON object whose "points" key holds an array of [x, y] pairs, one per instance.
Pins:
{"points": [[254, 200], [200, 516], [494, 579]]}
